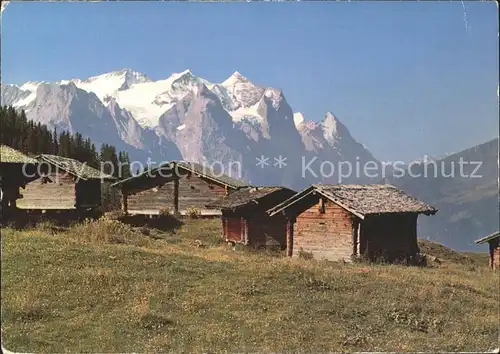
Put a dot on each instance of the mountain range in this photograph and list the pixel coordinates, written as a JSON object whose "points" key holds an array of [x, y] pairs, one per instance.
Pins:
{"points": [[234, 124], [467, 197], [252, 133]]}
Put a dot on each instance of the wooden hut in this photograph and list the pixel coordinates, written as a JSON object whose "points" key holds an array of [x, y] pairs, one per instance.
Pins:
{"points": [[245, 219], [494, 248], [175, 187], [343, 222], [62, 183], [14, 166]]}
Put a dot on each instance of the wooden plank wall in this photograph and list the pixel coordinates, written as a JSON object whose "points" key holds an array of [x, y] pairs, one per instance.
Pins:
{"points": [[267, 231], [88, 193], [60, 194], [496, 258], [13, 177], [234, 230], [195, 191], [152, 199], [390, 236], [326, 235]]}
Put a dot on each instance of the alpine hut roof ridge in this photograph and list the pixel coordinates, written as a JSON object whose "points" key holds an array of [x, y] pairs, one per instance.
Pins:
{"points": [[197, 168], [247, 195], [10, 155], [209, 173], [488, 238], [74, 167], [363, 199]]}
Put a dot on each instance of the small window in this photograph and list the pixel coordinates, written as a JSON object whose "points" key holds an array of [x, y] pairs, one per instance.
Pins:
{"points": [[210, 187], [192, 187]]}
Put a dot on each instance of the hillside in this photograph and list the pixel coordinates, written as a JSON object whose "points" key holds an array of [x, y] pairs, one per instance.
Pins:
{"points": [[104, 287], [468, 207]]}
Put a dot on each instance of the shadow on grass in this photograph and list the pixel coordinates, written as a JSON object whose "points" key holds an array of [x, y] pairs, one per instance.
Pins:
{"points": [[165, 223], [154, 322], [55, 220]]}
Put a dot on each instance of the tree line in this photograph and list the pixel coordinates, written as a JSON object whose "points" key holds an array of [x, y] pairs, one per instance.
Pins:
{"points": [[33, 139]]}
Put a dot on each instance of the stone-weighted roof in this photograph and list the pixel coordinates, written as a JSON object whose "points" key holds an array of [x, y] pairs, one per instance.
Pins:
{"points": [[10, 155], [364, 199]]}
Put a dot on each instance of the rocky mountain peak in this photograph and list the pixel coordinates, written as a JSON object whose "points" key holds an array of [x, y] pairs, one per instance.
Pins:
{"points": [[188, 116], [298, 118], [333, 128], [235, 78]]}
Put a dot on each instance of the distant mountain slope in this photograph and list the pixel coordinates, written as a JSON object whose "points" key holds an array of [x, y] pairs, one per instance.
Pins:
{"points": [[467, 200]]}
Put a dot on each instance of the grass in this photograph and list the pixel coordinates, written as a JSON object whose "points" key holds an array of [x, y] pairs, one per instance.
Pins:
{"points": [[108, 287], [446, 254]]}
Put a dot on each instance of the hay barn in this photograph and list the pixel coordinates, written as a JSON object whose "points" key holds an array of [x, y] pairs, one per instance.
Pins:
{"points": [[344, 222], [494, 248], [62, 183], [14, 165], [175, 187], [245, 219]]}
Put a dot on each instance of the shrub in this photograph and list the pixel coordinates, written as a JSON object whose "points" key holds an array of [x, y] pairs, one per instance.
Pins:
{"points": [[106, 230], [165, 211], [45, 226], [115, 214], [193, 212], [305, 255]]}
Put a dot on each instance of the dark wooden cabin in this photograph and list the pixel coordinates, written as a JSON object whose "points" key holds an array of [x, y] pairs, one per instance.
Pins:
{"points": [[14, 166], [63, 184], [245, 219], [494, 248], [175, 187], [344, 222]]}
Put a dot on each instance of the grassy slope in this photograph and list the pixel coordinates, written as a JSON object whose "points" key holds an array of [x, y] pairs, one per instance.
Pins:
{"points": [[70, 291]]}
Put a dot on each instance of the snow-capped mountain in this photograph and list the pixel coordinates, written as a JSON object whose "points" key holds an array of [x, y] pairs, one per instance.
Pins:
{"points": [[185, 116], [330, 141]]}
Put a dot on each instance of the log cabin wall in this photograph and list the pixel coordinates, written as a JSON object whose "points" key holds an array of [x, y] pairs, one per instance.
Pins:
{"points": [[260, 230], [12, 180], [151, 195], [325, 230], [56, 191], [149, 198], [267, 231], [494, 248], [233, 229], [389, 236], [196, 191], [496, 258], [88, 193]]}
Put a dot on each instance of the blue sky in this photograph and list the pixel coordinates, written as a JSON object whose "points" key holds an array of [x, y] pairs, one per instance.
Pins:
{"points": [[407, 79]]}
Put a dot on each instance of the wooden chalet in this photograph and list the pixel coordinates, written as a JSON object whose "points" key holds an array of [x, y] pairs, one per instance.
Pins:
{"points": [[63, 184], [494, 248], [14, 166], [175, 187], [344, 222], [245, 219]]}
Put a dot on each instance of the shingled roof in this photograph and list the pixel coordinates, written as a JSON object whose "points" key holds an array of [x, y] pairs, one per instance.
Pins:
{"points": [[246, 196], [207, 172], [488, 238], [363, 199], [204, 171], [74, 167], [10, 155]]}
